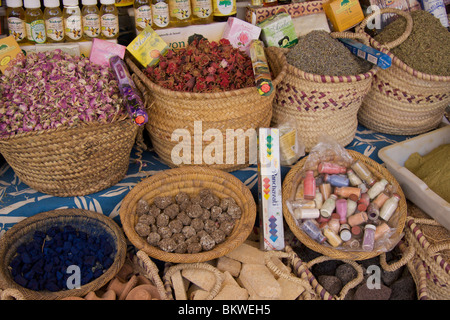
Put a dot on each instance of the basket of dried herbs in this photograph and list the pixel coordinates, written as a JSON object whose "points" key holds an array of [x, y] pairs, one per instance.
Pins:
{"points": [[63, 127], [409, 97], [323, 87], [210, 84]]}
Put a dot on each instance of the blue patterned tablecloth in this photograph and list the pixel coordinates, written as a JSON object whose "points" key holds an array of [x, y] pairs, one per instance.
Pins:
{"points": [[18, 201]]}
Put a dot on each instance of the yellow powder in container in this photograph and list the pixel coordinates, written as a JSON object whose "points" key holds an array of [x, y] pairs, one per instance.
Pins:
{"points": [[433, 169]]}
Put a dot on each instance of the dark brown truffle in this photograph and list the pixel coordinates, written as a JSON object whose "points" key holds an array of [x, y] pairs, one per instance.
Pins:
{"points": [[210, 226], [194, 211], [162, 220], [225, 202], [181, 197], [188, 231], [147, 219], [218, 236], [172, 210], [215, 212], [142, 207], [142, 229], [154, 210], [234, 211], [153, 238], [197, 224], [167, 245], [194, 247], [163, 202], [176, 225], [165, 232], [184, 218], [207, 242]]}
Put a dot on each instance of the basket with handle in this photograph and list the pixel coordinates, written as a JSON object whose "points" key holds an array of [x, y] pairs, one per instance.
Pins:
{"points": [[93, 223], [402, 100], [243, 109], [319, 103]]}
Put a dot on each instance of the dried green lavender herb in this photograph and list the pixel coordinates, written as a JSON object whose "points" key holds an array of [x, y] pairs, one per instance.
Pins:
{"points": [[318, 53], [427, 48]]}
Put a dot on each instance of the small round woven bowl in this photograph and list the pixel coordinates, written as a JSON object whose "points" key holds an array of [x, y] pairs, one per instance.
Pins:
{"points": [[397, 220], [190, 179], [93, 223]]}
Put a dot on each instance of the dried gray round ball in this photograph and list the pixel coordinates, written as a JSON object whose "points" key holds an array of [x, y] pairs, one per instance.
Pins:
{"points": [[176, 225], [142, 229], [234, 211], [218, 236], [204, 192], [224, 217], [188, 231], [154, 210], [207, 242], [167, 244], [206, 214], [192, 239], [227, 227], [162, 220], [194, 211], [209, 200], [147, 219], [181, 197], [225, 202], [184, 218], [142, 207], [172, 210], [210, 226], [215, 212], [153, 238], [165, 232], [178, 237], [197, 224], [181, 247], [163, 202], [202, 233], [194, 247]]}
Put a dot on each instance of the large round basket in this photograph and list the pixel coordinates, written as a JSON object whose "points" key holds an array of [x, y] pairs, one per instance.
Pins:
{"points": [[230, 116], [189, 179], [397, 221], [73, 161], [402, 100], [318, 103], [93, 223]]}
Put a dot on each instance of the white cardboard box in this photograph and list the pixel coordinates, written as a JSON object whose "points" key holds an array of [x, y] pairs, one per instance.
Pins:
{"points": [[394, 157]]}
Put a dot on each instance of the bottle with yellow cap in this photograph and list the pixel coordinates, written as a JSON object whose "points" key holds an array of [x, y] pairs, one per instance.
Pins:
{"points": [[15, 16]]}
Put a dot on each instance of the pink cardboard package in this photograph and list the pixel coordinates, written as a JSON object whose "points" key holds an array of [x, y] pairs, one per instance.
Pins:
{"points": [[102, 50], [240, 33]]}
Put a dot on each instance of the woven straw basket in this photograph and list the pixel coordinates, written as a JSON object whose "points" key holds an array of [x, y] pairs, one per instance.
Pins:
{"points": [[189, 179], [426, 249], [74, 161], [402, 100], [318, 103], [397, 220], [93, 223], [241, 109]]}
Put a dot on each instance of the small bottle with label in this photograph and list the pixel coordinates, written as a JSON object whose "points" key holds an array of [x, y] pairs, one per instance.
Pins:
{"points": [[363, 202], [312, 230], [331, 236], [142, 14], [344, 232], [328, 206], [309, 185], [180, 12], [318, 199], [306, 213], [341, 209], [331, 168], [222, 10], [161, 14], [377, 188], [54, 23], [337, 180], [334, 223], [109, 20], [389, 207], [363, 172], [35, 24], [346, 192], [202, 11], [351, 204], [353, 178], [91, 19], [15, 16], [357, 219], [325, 190], [373, 212], [369, 237], [381, 231], [381, 199], [72, 21]]}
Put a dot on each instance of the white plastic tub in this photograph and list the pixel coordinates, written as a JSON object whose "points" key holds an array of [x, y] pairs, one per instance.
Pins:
{"points": [[394, 157]]}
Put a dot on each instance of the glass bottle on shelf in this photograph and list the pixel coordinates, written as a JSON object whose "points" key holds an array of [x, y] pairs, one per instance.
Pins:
{"points": [[73, 28], [223, 9], [15, 16], [54, 24], [109, 20], [142, 14], [202, 11], [91, 19], [161, 14], [34, 18], [180, 12]]}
